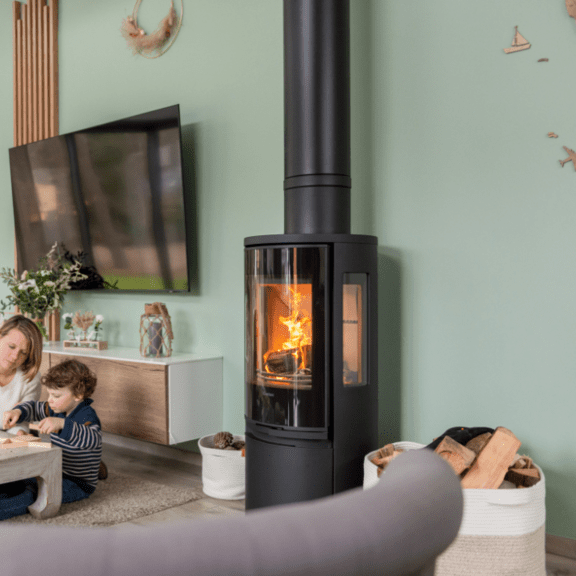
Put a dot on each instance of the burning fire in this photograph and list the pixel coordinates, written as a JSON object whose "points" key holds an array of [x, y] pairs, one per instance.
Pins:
{"points": [[299, 325]]}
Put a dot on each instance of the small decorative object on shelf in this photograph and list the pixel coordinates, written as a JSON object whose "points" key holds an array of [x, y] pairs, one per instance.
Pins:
{"points": [[85, 339], [155, 331]]}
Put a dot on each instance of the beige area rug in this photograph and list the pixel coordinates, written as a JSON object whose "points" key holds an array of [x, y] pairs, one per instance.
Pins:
{"points": [[119, 498]]}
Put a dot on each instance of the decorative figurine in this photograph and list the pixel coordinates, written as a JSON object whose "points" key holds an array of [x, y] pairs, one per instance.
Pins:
{"points": [[84, 339], [571, 157], [518, 43]]}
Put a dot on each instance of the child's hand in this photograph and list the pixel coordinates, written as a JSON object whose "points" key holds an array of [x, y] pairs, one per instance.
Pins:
{"points": [[50, 424], [10, 418]]}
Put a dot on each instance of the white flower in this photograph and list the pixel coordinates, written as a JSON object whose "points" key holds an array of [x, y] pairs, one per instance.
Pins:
{"points": [[99, 318], [24, 274], [49, 283], [27, 284]]}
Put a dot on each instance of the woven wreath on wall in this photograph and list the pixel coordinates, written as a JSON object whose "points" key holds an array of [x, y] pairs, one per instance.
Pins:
{"points": [[155, 44]]}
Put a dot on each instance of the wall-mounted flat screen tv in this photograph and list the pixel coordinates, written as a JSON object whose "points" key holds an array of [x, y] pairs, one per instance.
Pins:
{"points": [[113, 194]]}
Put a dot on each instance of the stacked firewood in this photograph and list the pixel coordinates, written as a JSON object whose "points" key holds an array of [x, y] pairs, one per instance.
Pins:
{"points": [[489, 460]]}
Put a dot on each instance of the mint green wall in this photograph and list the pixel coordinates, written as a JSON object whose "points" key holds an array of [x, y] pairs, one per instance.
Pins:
{"points": [[451, 168], [225, 71], [479, 218]]}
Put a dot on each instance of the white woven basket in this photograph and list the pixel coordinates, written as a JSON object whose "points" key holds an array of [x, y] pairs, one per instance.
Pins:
{"points": [[223, 471], [502, 531]]}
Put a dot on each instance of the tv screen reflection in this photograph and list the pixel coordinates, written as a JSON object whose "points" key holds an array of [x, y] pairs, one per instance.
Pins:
{"points": [[113, 193]]}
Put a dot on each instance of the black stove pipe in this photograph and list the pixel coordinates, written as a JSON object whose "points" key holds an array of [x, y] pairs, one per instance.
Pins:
{"points": [[317, 117]]}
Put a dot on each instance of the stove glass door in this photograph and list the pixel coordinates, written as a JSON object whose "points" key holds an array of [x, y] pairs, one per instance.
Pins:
{"points": [[285, 311]]}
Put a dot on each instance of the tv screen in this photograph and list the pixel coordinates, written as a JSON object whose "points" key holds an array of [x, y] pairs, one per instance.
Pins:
{"points": [[111, 195]]}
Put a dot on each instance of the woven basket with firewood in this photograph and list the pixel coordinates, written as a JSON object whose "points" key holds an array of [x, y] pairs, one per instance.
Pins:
{"points": [[503, 525]]}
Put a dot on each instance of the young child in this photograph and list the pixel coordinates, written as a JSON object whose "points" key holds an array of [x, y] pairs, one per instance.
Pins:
{"points": [[73, 426]]}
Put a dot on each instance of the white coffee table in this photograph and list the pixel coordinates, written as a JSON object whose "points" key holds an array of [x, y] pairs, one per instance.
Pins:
{"points": [[44, 464]]}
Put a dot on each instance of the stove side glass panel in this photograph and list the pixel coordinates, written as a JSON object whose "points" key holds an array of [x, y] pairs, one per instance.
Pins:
{"points": [[354, 330]]}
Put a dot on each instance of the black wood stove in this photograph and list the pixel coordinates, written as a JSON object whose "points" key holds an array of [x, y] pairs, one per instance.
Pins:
{"points": [[311, 293]]}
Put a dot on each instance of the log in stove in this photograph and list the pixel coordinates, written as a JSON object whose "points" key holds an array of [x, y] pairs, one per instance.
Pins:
{"points": [[311, 318]]}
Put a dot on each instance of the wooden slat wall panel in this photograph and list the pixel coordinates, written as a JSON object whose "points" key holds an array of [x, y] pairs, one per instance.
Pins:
{"points": [[46, 68], [15, 61], [35, 71], [35, 31], [30, 119], [19, 107], [53, 75]]}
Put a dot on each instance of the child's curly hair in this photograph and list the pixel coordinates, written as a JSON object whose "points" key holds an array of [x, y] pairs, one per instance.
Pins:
{"points": [[71, 374]]}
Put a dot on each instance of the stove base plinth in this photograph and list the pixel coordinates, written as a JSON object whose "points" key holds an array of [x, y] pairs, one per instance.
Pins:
{"points": [[283, 474]]}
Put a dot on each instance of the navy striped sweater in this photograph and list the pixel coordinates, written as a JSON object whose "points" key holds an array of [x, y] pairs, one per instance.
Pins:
{"points": [[80, 440]]}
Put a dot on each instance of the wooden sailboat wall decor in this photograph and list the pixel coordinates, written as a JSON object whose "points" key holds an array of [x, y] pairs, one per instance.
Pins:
{"points": [[518, 43]]}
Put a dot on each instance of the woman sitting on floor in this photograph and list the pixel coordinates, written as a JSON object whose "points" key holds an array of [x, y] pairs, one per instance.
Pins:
{"points": [[20, 359]]}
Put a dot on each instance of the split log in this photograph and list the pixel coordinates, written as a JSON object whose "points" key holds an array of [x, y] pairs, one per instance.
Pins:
{"points": [[458, 456], [523, 477], [478, 443], [491, 465], [522, 462], [289, 361]]}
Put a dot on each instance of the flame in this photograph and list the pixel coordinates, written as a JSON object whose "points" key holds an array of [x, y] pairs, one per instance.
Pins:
{"points": [[299, 325]]}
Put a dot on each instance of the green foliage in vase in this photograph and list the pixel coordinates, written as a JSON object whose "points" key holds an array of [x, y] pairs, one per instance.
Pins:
{"points": [[41, 291]]}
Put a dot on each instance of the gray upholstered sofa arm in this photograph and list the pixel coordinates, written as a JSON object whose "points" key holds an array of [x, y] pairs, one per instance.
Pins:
{"points": [[396, 528]]}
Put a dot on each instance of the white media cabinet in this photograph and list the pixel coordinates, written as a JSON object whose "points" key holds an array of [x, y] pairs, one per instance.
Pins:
{"points": [[162, 400]]}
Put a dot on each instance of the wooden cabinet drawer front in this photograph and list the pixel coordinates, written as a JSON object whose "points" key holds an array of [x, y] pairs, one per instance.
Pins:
{"points": [[131, 398], [44, 367]]}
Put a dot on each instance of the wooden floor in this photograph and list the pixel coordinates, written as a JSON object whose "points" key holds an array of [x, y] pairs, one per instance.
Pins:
{"points": [[560, 556], [560, 565], [178, 468], [186, 471]]}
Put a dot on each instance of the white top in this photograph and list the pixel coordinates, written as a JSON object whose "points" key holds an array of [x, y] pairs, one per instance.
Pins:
{"points": [[19, 390], [127, 354]]}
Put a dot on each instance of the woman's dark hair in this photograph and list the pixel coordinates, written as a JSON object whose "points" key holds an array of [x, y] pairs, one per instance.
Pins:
{"points": [[71, 374], [32, 333]]}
